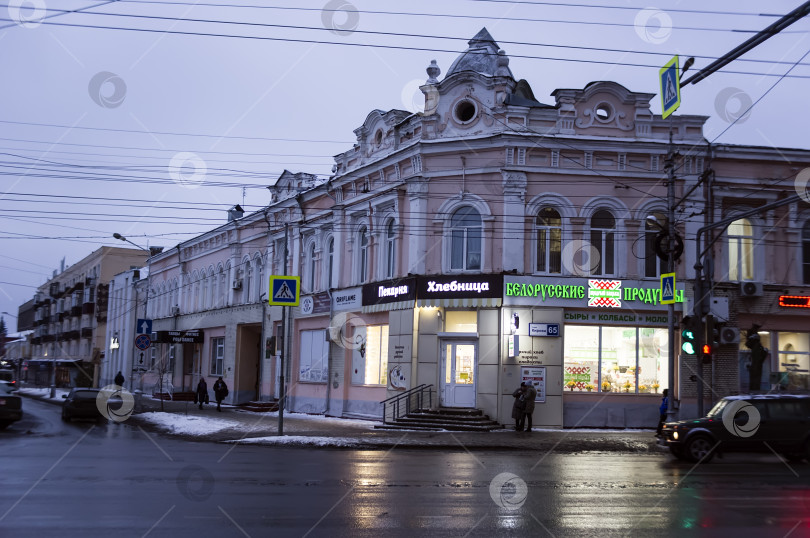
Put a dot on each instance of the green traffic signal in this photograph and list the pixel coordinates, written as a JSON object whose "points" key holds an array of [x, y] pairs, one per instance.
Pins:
{"points": [[688, 336]]}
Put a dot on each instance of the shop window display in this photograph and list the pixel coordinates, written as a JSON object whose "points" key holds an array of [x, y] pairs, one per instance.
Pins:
{"points": [[626, 360]]}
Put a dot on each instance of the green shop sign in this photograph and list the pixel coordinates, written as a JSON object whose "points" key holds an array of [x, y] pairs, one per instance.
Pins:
{"points": [[583, 292]]}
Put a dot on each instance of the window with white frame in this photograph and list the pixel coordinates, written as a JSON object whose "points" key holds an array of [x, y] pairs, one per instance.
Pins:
{"points": [[549, 241], [362, 257], [311, 267], [465, 239], [653, 265], [603, 240], [370, 360], [246, 287], [313, 365], [390, 249], [217, 355], [740, 250], [259, 284], [204, 295], [331, 262], [806, 252]]}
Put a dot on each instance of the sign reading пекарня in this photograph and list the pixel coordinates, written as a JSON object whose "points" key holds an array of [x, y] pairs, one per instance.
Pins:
{"points": [[584, 292]]}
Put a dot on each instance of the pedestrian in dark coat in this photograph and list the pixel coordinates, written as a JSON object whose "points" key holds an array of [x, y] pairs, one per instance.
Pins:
{"points": [[529, 394], [201, 396], [119, 379], [220, 392], [518, 406], [662, 411]]}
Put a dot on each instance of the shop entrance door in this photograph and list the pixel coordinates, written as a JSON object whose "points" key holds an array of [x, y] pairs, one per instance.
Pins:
{"points": [[458, 381]]}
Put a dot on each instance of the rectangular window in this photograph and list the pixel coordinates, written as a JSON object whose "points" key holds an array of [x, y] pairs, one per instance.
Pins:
{"points": [[461, 321], [510, 155], [217, 355], [521, 156], [314, 352], [555, 158], [370, 360], [626, 360], [588, 159], [794, 358], [622, 161], [654, 163], [652, 263]]}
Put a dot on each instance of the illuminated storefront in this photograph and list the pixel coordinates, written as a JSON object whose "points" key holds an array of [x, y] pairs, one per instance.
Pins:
{"points": [[614, 341]]}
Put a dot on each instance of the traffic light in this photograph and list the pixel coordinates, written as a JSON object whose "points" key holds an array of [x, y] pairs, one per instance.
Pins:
{"points": [[707, 354], [688, 335]]}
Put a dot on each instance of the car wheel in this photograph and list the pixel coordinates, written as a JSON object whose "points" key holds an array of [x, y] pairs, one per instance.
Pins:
{"points": [[677, 451], [700, 448], [65, 417]]}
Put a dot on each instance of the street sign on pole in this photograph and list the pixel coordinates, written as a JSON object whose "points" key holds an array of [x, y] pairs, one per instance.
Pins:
{"points": [[142, 342], [144, 326], [668, 288], [669, 82], [285, 290]]}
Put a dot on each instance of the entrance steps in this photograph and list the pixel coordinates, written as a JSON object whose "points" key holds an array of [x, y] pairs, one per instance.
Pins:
{"points": [[260, 407], [444, 418]]}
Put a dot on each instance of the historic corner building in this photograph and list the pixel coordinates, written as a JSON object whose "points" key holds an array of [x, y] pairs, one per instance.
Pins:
{"points": [[488, 240]]}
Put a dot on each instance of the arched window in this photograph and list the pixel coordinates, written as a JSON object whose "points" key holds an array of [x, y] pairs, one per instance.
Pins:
{"points": [[362, 258], [465, 239], [740, 250], [331, 263], [224, 276], [211, 296], [246, 287], [549, 241], [653, 265], [390, 250], [195, 296], [204, 293], [806, 252], [259, 284], [311, 267], [603, 239]]}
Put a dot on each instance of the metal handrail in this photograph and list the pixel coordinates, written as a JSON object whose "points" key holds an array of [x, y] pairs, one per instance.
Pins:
{"points": [[395, 401]]}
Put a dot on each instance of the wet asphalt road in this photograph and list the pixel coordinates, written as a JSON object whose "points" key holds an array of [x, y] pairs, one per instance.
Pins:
{"points": [[91, 479]]}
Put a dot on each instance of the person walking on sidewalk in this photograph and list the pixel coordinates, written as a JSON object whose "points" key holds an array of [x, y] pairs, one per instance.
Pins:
{"points": [[662, 412], [220, 392], [201, 396], [119, 379], [530, 393], [518, 406]]}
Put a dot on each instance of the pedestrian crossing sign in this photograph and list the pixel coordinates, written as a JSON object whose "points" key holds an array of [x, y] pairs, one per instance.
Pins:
{"points": [[668, 288], [669, 80], [285, 290]]}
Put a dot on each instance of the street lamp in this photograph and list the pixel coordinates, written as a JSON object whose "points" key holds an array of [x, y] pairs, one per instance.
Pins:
{"points": [[152, 251]]}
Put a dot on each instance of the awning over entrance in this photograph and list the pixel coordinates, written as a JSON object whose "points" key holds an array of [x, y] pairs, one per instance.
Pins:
{"points": [[398, 305], [469, 302]]}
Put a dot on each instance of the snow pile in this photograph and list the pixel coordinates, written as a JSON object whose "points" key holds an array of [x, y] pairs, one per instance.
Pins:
{"points": [[188, 424], [300, 440], [44, 393]]}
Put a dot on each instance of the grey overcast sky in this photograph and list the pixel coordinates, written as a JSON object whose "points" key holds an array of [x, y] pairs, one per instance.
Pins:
{"points": [[147, 118]]}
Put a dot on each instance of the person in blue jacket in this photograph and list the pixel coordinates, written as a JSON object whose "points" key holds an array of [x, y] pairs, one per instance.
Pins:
{"points": [[662, 411]]}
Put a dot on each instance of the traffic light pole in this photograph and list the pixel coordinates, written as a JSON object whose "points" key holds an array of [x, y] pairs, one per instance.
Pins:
{"points": [[670, 164]]}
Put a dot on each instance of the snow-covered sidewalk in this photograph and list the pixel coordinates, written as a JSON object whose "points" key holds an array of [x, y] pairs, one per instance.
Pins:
{"points": [[44, 393]]}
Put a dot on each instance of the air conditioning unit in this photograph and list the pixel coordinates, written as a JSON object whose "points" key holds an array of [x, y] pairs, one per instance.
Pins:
{"points": [[175, 310], [236, 284], [729, 335], [751, 289]]}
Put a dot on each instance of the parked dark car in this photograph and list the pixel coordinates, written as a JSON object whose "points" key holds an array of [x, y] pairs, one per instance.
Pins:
{"points": [[10, 405], [8, 375], [746, 423], [80, 403]]}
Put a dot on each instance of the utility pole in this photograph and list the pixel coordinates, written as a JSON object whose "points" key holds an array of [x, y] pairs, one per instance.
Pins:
{"points": [[282, 345], [670, 166]]}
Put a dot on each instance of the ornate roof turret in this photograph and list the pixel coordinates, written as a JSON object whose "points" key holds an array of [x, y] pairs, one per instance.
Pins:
{"points": [[481, 57]]}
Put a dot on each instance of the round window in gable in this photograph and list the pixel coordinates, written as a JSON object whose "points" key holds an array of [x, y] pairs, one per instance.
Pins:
{"points": [[465, 111], [604, 112], [378, 137]]}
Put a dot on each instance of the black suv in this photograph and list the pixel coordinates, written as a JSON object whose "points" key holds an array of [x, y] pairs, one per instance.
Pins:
{"points": [[746, 423]]}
